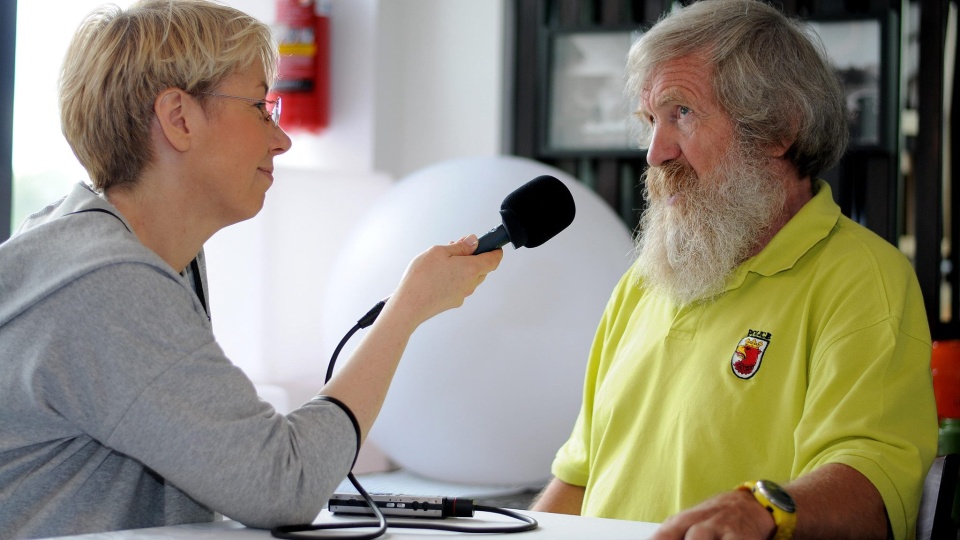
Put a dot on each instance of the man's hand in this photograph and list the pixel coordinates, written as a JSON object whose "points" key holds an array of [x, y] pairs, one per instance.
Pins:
{"points": [[833, 501], [734, 514]]}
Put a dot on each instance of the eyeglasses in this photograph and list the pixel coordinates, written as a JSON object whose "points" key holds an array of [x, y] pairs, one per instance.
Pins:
{"points": [[274, 104]]}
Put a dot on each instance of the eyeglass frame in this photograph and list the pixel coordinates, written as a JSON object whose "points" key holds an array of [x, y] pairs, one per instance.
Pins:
{"points": [[258, 103]]}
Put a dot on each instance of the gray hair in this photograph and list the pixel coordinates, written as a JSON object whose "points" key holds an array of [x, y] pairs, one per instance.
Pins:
{"points": [[770, 75]]}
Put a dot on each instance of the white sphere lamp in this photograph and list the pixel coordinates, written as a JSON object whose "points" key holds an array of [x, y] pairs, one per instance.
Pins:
{"points": [[485, 394]]}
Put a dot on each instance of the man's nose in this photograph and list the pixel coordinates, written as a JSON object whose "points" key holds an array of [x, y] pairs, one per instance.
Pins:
{"points": [[663, 146]]}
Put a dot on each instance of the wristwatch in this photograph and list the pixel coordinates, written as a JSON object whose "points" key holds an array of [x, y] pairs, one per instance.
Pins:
{"points": [[776, 501]]}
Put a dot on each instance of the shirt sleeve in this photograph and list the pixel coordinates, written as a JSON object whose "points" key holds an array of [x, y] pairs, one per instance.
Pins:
{"points": [[870, 403], [147, 379], [572, 462]]}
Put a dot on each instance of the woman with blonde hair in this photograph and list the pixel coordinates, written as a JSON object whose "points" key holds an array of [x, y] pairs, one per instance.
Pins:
{"points": [[118, 409]]}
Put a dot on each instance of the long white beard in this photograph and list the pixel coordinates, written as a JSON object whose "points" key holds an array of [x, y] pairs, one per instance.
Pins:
{"points": [[689, 250]]}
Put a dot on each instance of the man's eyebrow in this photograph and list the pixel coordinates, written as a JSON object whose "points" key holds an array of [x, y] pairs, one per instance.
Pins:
{"points": [[669, 97]]}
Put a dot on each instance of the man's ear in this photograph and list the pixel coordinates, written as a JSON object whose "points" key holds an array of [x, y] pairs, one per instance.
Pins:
{"points": [[779, 149], [173, 108]]}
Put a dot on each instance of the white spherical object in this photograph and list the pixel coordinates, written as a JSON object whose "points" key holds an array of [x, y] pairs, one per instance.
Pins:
{"points": [[485, 394]]}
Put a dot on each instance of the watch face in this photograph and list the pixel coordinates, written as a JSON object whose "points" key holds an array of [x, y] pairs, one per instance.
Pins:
{"points": [[776, 495]]}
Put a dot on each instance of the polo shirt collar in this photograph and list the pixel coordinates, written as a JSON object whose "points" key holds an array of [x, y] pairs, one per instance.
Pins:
{"points": [[808, 227]]}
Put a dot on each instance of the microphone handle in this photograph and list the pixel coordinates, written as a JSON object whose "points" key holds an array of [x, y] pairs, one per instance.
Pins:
{"points": [[493, 239]]}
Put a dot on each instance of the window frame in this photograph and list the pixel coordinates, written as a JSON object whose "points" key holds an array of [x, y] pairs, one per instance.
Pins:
{"points": [[8, 43]]}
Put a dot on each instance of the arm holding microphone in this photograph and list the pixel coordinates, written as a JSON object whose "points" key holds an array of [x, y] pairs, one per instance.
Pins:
{"points": [[438, 279], [435, 281]]}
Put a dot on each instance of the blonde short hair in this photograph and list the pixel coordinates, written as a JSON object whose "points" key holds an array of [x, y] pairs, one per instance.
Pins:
{"points": [[120, 60]]}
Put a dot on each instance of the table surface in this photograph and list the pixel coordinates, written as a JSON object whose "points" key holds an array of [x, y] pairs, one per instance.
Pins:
{"points": [[552, 526]]}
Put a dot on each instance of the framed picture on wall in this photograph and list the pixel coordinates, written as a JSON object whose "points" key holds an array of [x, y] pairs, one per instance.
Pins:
{"points": [[854, 48], [586, 108]]}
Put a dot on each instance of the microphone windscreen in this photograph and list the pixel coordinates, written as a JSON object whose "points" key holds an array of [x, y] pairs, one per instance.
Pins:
{"points": [[536, 211]]}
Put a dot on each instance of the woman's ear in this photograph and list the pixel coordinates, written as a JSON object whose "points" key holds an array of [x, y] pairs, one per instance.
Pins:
{"points": [[173, 108]]}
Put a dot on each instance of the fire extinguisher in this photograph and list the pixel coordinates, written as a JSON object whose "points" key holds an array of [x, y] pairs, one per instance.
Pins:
{"points": [[303, 30]]}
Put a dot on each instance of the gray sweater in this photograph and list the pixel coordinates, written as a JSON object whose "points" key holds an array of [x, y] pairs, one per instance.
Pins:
{"points": [[119, 410]]}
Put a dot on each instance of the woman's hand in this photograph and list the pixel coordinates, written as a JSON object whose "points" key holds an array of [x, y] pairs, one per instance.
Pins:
{"points": [[441, 278], [438, 279]]}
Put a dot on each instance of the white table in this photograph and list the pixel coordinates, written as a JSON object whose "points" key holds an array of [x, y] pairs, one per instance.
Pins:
{"points": [[552, 526]]}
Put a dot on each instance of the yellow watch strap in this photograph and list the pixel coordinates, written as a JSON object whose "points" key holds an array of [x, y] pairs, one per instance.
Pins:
{"points": [[785, 521]]}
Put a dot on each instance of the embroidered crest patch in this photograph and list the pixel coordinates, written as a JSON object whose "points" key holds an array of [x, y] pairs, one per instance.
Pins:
{"points": [[746, 359]]}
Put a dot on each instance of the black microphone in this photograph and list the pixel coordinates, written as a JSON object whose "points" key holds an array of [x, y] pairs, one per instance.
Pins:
{"points": [[532, 214]]}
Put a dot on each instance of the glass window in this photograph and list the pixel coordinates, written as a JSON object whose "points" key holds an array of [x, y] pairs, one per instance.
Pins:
{"points": [[44, 167]]}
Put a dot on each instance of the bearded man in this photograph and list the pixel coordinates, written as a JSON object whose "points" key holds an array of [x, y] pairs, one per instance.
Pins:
{"points": [[763, 369]]}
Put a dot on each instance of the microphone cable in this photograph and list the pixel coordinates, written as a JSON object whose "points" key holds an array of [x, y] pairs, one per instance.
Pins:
{"points": [[302, 532]]}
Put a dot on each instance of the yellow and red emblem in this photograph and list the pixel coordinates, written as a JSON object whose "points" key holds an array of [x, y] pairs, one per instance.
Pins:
{"points": [[749, 354]]}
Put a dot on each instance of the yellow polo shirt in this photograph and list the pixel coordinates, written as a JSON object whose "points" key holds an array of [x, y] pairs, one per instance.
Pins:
{"points": [[818, 352]]}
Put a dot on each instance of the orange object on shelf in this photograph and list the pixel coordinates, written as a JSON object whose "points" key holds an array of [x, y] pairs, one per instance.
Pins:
{"points": [[945, 368]]}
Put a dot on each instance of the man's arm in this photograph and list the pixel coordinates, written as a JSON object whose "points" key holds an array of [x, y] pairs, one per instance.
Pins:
{"points": [[834, 501], [559, 497]]}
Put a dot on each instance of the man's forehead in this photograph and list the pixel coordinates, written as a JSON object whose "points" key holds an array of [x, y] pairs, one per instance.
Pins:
{"points": [[677, 80], [654, 97], [665, 96]]}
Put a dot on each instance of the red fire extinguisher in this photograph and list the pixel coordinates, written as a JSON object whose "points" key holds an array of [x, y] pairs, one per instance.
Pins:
{"points": [[303, 29]]}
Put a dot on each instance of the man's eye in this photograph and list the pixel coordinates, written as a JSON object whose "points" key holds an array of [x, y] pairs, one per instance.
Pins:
{"points": [[683, 111]]}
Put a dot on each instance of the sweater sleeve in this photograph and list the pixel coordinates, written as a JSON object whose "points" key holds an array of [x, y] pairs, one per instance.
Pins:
{"points": [[148, 379]]}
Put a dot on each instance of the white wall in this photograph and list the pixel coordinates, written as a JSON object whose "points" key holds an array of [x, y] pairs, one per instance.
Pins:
{"points": [[414, 82], [440, 81]]}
